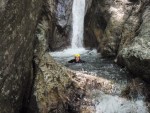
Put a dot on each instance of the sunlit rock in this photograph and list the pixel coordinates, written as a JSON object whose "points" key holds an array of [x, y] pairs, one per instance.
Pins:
{"points": [[136, 55]]}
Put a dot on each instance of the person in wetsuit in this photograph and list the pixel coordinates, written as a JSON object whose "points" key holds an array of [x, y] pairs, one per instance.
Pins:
{"points": [[77, 59]]}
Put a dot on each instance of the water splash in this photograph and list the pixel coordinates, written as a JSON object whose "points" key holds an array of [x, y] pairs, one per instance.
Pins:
{"points": [[69, 52], [116, 104], [78, 13]]}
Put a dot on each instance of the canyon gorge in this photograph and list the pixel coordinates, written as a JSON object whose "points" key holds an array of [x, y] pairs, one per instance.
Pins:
{"points": [[39, 37]]}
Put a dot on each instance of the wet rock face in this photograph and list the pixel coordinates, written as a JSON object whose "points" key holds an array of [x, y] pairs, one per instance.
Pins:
{"points": [[18, 20], [57, 13], [121, 29]]}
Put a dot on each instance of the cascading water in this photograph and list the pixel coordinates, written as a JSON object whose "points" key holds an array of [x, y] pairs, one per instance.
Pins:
{"points": [[78, 13], [96, 65]]}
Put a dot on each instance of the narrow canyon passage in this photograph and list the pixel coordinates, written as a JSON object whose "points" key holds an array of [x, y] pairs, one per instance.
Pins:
{"points": [[111, 101], [39, 37]]}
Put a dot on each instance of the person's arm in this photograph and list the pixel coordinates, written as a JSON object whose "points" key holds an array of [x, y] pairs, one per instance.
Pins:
{"points": [[71, 61]]}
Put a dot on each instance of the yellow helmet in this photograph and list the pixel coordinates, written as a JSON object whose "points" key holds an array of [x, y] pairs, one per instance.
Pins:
{"points": [[77, 55]]}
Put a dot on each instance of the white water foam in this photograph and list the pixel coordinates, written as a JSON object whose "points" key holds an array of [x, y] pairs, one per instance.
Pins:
{"points": [[69, 52], [78, 12], [116, 104]]}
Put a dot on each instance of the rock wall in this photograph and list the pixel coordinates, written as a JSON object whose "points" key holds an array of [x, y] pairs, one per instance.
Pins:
{"points": [[136, 53], [18, 21], [117, 28], [57, 13], [121, 30], [54, 89], [104, 23], [94, 26]]}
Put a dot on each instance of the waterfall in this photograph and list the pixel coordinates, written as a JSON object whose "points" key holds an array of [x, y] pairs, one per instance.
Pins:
{"points": [[78, 12]]}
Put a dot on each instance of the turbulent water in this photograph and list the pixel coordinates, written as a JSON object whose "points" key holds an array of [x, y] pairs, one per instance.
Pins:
{"points": [[97, 66], [116, 104], [78, 12]]}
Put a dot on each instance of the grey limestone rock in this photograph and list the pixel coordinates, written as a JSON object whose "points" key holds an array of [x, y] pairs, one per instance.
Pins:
{"points": [[18, 20]]}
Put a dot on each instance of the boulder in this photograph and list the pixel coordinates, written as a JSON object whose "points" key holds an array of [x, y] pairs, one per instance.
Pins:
{"points": [[136, 55], [54, 91], [18, 22]]}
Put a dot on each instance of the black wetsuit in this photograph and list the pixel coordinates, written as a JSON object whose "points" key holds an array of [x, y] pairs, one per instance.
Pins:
{"points": [[74, 61]]}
